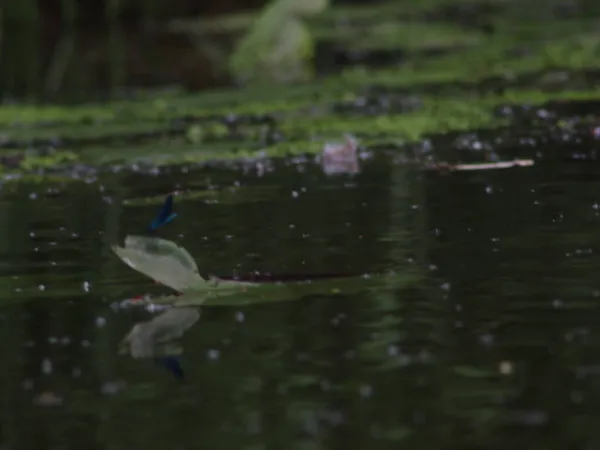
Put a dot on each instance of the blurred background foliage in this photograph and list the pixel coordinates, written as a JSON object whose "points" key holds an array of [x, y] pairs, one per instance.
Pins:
{"points": [[75, 46]]}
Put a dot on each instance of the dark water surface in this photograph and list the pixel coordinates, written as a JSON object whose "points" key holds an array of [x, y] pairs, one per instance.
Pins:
{"points": [[490, 341]]}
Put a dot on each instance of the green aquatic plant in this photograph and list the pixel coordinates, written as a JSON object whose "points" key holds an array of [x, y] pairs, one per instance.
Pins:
{"points": [[279, 46]]}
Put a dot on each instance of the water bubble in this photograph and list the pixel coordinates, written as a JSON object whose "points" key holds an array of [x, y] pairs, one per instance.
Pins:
{"points": [[557, 303], [111, 387], [365, 390], [393, 350], [486, 339], [325, 385], [46, 366], [577, 397], [505, 367], [424, 356], [404, 360], [213, 354]]}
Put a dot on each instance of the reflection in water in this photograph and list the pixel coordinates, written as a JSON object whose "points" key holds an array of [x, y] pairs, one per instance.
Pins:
{"points": [[156, 338]]}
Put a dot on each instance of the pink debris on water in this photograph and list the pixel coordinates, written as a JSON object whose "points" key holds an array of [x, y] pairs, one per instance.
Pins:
{"points": [[341, 157]]}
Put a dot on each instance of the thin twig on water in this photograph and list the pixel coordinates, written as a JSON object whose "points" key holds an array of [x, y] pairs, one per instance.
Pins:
{"points": [[443, 166]]}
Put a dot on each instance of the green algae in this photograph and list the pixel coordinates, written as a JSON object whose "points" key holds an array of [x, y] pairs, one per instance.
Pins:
{"points": [[523, 61], [400, 35], [32, 163], [307, 134]]}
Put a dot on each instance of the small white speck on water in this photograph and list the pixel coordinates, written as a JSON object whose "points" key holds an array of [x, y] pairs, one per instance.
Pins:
{"points": [[32, 196], [577, 397], [46, 366], [213, 354], [85, 343], [487, 339], [41, 287], [404, 360], [52, 340], [295, 194], [366, 390], [239, 316], [506, 368], [86, 286], [100, 321], [557, 303]]}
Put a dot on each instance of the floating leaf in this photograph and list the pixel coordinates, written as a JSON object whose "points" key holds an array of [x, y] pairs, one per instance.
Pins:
{"points": [[161, 260], [173, 266]]}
